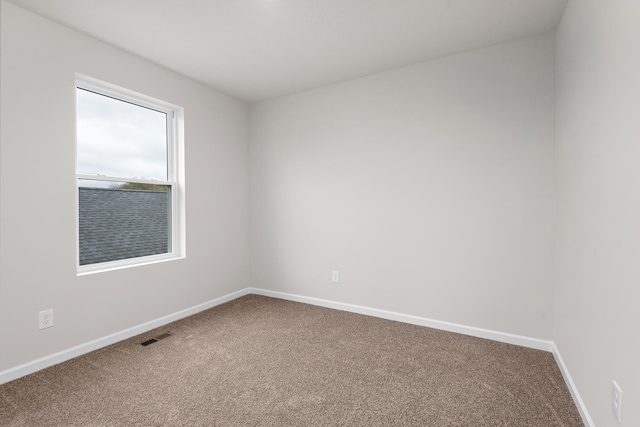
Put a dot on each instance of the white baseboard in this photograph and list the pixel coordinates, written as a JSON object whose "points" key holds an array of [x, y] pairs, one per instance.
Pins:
{"points": [[504, 337], [535, 343], [524, 341], [582, 408], [44, 362]]}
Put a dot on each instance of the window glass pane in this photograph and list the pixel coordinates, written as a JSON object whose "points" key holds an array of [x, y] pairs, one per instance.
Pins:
{"points": [[116, 138], [123, 220]]}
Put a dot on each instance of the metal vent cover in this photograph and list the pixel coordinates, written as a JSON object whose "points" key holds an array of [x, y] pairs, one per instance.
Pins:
{"points": [[156, 338]]}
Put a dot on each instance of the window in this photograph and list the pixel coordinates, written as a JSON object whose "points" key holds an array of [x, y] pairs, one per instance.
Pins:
{"points": [[128, 175]]}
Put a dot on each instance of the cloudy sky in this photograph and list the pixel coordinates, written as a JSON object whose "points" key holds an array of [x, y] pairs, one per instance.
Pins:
{"points": [[116, 138]]}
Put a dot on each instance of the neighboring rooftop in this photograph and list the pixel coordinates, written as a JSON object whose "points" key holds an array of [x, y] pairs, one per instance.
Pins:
{"points": [[120, 224]]}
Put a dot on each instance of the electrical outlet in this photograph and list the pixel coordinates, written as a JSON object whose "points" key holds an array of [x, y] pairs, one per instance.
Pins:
{"points": [[616, 401], [46, 318], [335, 276]]}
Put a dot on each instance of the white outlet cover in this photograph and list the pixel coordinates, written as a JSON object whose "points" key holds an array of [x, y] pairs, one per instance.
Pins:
{"points": [[45, 318], [335, 276], [616, 401]]}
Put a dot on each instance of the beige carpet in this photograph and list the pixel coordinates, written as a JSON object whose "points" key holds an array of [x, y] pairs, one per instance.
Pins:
{"points": [[259, 361]]}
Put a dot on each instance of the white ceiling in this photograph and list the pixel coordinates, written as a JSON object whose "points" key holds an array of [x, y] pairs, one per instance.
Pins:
{"points": [[260, 49]]}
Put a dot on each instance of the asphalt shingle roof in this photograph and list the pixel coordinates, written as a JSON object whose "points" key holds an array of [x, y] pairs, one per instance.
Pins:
{"points": [[120, 224]]}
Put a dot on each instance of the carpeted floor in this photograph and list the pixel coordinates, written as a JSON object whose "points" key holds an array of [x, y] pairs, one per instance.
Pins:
{"points": [[259, 361]]}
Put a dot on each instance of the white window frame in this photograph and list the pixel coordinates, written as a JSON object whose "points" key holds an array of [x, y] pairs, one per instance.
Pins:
{"points": [[175, 174]]}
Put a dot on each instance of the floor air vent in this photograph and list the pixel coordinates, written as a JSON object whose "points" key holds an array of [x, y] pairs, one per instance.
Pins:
{"points": [[156, 339]]}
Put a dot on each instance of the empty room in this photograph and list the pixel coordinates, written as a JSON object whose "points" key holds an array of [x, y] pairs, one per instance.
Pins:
{"points": [[320, 212]]}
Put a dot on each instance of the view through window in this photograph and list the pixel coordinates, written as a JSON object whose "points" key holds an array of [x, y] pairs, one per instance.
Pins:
{"points": [[126, 175]]}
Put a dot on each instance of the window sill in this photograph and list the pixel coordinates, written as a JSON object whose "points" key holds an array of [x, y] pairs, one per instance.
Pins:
{"points": [[102, 267]]}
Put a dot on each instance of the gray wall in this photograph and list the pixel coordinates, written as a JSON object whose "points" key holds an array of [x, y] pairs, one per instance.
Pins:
{"points": [[38, 209], [597, 289], [430, 188]]}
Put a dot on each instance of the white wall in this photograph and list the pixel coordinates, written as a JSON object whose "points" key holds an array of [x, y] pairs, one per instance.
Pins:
{"points": [[428, 187], [37, 270], [597, 289], [431, 188]]}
